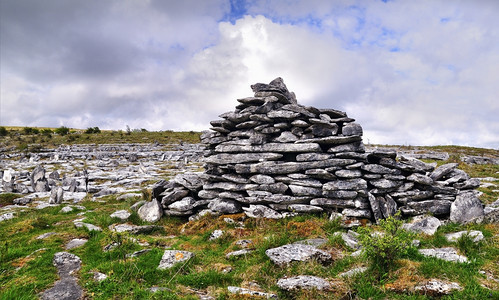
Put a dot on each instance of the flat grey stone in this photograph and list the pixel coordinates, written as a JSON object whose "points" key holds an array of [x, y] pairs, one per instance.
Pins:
{"points": [[317, 242], [138, 253], [353, 271], [270, 147], [332, 140], [347, 184], [6, 216], [151, 211], [75, 243], [121, 214], [426, 225], [173, 257], [227, 158], [89, 226], [475, 235], [303, 282], [66, 288], [262, 179], [261, 211], [437, 288], [350, 238], [45, 235], [443, 170], [297, 252], [238, 253], [467, 208], [98, 276], [216, 234], [448, 254], [224, 206], [250, 293], [134, 229]]}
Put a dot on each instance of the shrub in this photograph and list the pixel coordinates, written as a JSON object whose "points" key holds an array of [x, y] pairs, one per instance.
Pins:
{"points": [[62, 130], [382, 249], [91, 130], [47, 132], [3, 131], [30, 130]]}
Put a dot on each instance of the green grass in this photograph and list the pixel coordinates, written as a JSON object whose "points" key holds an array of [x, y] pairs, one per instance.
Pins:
{"points": [[18, 140], [25, 270]]}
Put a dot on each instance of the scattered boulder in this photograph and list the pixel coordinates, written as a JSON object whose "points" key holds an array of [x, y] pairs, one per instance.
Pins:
{"points": [[66, 288], [75, 243], [422, 224], [151, 211], [251, 293], [121, 214], [173, 257], [448, 254], [353, 272], [475, 235], [238, 253], [438, 288], [297, 252], [467, 208], [303, 282]]}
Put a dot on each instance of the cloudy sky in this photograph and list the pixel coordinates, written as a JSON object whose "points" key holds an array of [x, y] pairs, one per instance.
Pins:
{"points": [[410, 72]]}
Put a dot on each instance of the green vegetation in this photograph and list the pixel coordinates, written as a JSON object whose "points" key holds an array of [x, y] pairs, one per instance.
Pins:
{"points": [[382, 248], [27, 269], [16, 139]]}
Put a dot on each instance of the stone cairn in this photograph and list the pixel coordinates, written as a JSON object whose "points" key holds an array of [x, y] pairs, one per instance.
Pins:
{"points": [[272, 157]]}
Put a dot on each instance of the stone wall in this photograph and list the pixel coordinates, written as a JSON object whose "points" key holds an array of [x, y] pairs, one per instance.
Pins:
{"points": [[272, 157]]}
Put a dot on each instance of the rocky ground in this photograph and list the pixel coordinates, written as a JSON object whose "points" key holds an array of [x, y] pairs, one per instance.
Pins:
{"points": [[71, 230]]}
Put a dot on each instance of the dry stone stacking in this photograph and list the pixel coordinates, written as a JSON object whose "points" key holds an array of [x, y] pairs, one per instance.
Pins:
{"points": [[272, 157]]}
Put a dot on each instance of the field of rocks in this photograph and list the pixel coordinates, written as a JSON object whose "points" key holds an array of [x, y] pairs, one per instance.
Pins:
{"points": [[70, 229]]}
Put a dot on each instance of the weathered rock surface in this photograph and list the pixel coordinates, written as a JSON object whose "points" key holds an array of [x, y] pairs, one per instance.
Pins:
{"points": [[251, 293], [474, 235], [66, 288], [426, 225], [151, 211], [448, 254], [467, 208], [172, 257], [437, 288], [297, 252], [303, 282]]}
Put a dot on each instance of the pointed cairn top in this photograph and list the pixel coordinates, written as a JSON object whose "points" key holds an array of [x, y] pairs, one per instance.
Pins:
{"points": [[275, 86]]}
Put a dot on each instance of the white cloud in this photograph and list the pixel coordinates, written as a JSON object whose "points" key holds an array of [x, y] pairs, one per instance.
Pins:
{"points": [[410, 72]]}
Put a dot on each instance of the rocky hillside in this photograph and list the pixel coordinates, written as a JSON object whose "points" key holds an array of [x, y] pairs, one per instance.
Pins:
{"points": [[89, 241]]}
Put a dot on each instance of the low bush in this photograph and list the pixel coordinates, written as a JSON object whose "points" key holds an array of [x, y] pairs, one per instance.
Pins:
{"points": [[383, 248]]}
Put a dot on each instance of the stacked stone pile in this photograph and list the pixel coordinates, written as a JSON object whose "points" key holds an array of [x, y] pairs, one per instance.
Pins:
{"points": [[272, 157]]}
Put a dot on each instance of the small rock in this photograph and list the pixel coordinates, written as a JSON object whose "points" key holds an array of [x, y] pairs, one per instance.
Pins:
{"points": [[99, 276], [303, 282], [250, 293], [448, 254], [437, 288], [238, 253], [216, 234], [353, 272], [121, 214], [45, 235], [173, 257], [6, 216], [75, 243], [475, 235], [244, 243], [467, 208], [138, 253], [151, 211], [66, 209], [296, 252], [426, 225]]}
